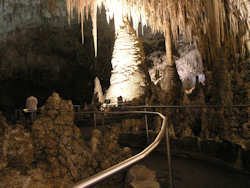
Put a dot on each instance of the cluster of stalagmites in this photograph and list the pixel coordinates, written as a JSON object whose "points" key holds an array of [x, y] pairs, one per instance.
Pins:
{"points": [[52, 153]]}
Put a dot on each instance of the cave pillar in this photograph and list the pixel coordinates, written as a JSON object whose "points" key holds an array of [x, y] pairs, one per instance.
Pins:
{"points": [[170, 82]]}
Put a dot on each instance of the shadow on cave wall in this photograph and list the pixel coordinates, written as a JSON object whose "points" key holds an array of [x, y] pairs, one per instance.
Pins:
{"points": [[41, 60]]}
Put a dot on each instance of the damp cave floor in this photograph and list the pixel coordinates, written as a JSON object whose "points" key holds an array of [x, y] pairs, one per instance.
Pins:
{"points": [[190, 173]]}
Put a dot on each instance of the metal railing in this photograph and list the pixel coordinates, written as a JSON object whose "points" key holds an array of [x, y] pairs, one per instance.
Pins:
{"points": [[125, 164], [134, 159], [122, 106]]}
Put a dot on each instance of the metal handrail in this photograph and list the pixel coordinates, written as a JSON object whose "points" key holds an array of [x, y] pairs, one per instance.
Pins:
{"points": [[132, 160], [184, 106]]}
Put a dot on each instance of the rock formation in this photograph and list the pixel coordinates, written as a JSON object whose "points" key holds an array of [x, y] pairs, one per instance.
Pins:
{"points": [[52, 153], [127, 78]]}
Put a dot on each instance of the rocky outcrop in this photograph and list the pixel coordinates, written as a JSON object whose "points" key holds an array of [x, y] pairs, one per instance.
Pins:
{"points": [[58, 141], [57, 138], [52, 153]]}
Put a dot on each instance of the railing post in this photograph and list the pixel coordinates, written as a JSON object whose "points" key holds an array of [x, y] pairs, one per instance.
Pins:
{"points": [[103, 116], [94, 119], [146, 123], [171, 184]]}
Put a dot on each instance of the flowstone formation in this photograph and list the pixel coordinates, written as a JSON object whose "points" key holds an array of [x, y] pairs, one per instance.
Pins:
{"points": [[52, 153]]}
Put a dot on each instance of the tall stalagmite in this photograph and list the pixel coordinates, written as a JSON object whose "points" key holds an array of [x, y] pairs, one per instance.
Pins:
{"points": [[127, 78]]}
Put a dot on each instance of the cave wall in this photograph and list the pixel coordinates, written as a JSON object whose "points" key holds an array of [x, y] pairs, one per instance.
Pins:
{"points": [[20, 15]]}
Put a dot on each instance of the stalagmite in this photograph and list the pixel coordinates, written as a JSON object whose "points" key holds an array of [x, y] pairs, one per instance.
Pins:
{"points": [[94, 22], [98, 90], [127, 79]]}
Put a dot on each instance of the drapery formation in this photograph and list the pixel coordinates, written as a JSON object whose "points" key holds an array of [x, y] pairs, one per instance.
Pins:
{"points": [[223, 18]]}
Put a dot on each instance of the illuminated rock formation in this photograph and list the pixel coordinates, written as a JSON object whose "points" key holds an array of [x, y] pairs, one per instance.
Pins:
{"points": [[190, 66], [127, 78]]}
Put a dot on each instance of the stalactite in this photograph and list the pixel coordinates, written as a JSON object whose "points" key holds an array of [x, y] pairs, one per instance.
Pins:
{"points": [[82, 29], [94, 23], [188, 17], [168, 44]]}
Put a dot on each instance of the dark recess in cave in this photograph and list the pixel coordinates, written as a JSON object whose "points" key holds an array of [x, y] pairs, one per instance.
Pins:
{"points": [[41, 60]]}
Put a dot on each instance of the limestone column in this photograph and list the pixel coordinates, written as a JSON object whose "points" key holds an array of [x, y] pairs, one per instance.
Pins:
{"points": [[170, 82]]}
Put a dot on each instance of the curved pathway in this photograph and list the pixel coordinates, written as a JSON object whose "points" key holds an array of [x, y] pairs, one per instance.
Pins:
{"points": [[189, 173]]}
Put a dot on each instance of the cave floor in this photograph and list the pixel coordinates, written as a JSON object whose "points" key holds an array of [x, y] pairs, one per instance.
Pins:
{"points": [[189, 173]]}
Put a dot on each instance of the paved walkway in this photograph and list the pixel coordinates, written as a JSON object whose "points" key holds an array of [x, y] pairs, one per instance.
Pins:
{"points": [[190, 173]]}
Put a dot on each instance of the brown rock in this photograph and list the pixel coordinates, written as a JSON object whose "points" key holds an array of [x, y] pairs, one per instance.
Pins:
{"points": [[141, 177], [3, 124], [56, 136], [18, 147]]}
